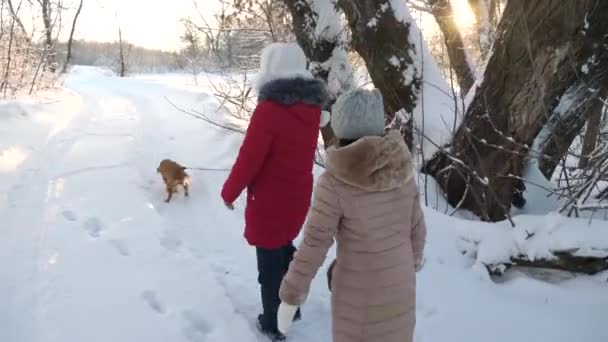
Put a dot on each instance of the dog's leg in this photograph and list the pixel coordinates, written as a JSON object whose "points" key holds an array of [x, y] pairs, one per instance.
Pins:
{"points": [[169, 193], [186, 189]]}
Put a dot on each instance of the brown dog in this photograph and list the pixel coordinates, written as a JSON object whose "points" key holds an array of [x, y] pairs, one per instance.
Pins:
{"points": [[173, 176]]}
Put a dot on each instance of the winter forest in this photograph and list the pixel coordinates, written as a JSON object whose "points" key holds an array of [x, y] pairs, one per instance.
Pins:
{"points": [[502, 105]]}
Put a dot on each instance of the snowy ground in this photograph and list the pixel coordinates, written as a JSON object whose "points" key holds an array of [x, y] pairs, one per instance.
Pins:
{"points": [[90, 252]]}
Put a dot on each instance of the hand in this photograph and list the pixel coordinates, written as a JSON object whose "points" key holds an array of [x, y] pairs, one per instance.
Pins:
{"points": [[419, 265], [285, 317], [230, 206]]}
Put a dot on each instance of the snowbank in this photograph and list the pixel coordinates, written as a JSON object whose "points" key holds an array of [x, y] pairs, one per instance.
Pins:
{"points": [[534, 238]]}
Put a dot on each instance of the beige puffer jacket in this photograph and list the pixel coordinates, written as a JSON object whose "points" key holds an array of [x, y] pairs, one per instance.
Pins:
{"points": [[368, 202]]}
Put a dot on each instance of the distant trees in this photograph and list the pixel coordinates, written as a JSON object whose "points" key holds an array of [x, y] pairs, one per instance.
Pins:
{"points": [[193, 53]]}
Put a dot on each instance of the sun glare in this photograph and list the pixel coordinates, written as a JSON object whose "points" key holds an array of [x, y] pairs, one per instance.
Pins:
{"points": [[463, 14]]}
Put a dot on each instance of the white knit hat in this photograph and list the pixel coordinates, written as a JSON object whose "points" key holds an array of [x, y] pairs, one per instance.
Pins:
{"points": [[358, 113], [282, 60]]}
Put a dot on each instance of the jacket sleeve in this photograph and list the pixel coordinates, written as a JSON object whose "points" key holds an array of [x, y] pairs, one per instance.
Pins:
{"points": [[252, 153], [418, 233], [319, 232]]}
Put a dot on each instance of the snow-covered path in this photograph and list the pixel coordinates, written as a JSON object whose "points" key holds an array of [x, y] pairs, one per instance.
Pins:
{"points": [[90, 252]]}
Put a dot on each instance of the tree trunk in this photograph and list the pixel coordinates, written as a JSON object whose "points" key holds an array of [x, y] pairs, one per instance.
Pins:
{"points": [[540, 52], [459, 59], [5, 80], [68, 57], [485, 12], [48, 33], [15, 15], [123, 68], [380, 34], [591, 133], [323, 49]]}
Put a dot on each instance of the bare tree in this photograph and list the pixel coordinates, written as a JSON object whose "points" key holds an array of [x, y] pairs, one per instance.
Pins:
{"points": [[121, 64], [68, 57], [192, 54], [47, 12], [15, 16]]}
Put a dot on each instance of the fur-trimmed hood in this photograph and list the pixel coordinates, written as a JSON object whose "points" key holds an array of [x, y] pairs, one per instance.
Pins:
{"points": [[289, 91], [372, 163]]}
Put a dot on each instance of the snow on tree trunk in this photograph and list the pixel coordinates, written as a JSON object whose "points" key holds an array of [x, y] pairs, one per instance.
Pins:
{"points": [[568, 119], [318, 30], [381, 35], [459, 59], [543, 48]]}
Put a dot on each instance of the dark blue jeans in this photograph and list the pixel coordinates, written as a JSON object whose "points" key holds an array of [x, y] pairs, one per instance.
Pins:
{"points": [[272, 267]]}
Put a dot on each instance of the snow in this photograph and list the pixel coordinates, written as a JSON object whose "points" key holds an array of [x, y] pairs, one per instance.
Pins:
{"points": [[340, 78], [90, 252], [328, 22], [536, 237], [373, 22], [442, 112], [394, 61]]}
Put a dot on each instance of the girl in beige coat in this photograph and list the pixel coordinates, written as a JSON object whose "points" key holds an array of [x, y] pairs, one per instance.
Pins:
{"points": [[368, 202]]}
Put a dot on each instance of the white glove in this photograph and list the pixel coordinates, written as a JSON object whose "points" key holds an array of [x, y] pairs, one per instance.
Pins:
{"points": [[325, 118], [285, 317]]}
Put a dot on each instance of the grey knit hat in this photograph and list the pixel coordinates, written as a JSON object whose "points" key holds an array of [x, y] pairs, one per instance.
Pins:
{"points": [[358, 113]]}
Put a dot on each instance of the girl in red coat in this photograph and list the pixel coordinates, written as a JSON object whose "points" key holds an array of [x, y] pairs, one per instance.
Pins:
{"points": [[275, 165]]}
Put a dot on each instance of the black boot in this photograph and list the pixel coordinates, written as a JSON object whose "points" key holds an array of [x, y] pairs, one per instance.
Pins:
{"points": [[273, 334]]}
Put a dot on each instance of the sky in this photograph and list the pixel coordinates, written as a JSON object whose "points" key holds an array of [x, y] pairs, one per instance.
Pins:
{"points": [[148, 23], [155, 23]]}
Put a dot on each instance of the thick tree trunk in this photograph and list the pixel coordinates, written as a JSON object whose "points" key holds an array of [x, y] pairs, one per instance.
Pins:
{"points": [[68, 57], [320, 47], [380, 34], [543, 48], [459, 59]]}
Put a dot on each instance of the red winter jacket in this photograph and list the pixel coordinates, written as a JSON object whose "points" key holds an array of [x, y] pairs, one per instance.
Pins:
{"points": [[276, 159]]}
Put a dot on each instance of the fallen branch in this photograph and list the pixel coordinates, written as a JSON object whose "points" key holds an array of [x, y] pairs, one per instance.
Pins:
{"points": [[566, 261]]}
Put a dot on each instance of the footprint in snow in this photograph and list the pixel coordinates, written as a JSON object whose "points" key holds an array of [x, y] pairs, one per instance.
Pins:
{"points": [[170, 241], [152, 300], [196, 328], [120, 246], [93, 226], [69, 215]]}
